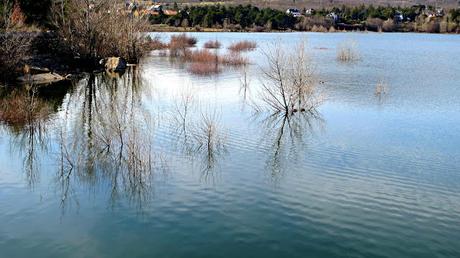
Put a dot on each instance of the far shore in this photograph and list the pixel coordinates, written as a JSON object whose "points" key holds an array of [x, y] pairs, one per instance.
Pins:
{"points": [[167, 28]]}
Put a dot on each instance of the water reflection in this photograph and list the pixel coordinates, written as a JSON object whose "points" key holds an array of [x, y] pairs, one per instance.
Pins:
{"points": [[25, 111], [107, 135], [288, 136], [199, 133]]}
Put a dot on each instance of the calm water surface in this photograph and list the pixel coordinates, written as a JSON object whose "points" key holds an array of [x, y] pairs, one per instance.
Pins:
{"points": [[109, 167]]}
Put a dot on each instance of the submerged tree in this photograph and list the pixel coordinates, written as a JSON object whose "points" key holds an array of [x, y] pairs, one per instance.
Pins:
{"points": [[289, 83]]}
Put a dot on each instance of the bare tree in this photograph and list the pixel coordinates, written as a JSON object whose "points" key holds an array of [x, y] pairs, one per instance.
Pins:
{"points": [[97, 29], [14, 45], [289, 83]]}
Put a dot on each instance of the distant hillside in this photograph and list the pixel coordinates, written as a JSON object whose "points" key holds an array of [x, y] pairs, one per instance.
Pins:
{"points": [[324, 3]]}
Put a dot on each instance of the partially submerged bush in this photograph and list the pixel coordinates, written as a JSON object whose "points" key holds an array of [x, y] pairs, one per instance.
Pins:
{"points": [[179, 44], [202, 56], [155, 43], [242, 46], [348, 51], [204, 61], [214, 44], [184, 40], [290, 82]]}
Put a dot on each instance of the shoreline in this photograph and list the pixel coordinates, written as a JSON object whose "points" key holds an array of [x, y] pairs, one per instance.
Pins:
{"points": [[167, 28]]}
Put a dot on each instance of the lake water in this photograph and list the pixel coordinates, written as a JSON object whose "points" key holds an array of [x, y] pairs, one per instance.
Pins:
{"points": [[108, 167]]}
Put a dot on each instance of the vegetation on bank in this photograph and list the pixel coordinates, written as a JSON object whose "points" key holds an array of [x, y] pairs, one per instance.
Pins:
{"points": [[83, 32], [416, 18]]}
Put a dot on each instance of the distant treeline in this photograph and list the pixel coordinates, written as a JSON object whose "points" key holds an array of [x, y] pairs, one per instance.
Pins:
{"points": [[227, 16], [248, 17]]}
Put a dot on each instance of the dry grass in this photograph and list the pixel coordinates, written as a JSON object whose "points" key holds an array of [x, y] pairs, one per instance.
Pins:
{"points": [[243, 46], [204, 69], [213, 44], [348, 51]]}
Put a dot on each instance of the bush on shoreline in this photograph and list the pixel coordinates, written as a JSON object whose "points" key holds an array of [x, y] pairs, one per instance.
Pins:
{"points": [[94, 31]]}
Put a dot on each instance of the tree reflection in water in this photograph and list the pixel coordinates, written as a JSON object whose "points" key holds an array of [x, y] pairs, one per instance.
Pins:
{"points": [[108, 135], [289, 134], [25, 112], [199, 134]]}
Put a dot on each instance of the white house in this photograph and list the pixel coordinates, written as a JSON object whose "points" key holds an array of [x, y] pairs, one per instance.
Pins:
{"points": [[294, 12]]}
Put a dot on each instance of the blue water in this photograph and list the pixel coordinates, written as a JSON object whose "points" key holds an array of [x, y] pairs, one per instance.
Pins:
{"points": [[106, 168]]}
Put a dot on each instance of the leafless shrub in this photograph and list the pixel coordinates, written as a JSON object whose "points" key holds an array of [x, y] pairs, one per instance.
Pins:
{"points": [[209, 140], [245, 83], [348, 51], [202, 56], [243, 46], [155, 43], [182, 108], [214, 44], [381, 89], [95, 29], [388, 25], [14, 45], [183, 39], [179, 45], [374, 24], [290, 81], [14, 49], [312, 23]]}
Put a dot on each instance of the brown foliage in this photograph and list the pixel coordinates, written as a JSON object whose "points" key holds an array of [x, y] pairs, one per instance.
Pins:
{"points": [[215, 44], [183, 40], [202, 56], [242, 46], [178, 45]]}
